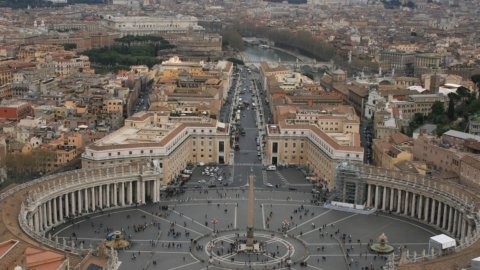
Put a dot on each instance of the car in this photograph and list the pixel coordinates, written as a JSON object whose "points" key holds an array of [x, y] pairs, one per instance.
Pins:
{"points": [[268, 185], [187, 171], [258, 153], [202, 181], [292, 188], [271, 168]]}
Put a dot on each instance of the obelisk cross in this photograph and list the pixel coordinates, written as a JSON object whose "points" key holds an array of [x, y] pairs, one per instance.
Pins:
{"points": [[250, 209]]}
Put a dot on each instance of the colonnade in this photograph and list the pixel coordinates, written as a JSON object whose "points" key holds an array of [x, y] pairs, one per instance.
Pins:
{"points": [[434, 211], [54, 208]]}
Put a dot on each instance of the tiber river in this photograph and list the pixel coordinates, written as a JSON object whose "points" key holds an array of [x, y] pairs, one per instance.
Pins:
{"points": [[257, 54]]}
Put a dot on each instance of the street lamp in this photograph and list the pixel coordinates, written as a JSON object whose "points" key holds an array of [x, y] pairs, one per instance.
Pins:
{"points": [[214, 222]]}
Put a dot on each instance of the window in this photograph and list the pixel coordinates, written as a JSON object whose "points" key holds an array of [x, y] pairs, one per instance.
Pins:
{"points": [[130, 152], [141, 152], [275, 147], [118, 153], [151, 151], [109, 154], [221, 146]]}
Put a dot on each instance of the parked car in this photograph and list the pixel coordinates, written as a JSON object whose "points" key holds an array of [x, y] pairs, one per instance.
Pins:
{"points": [[271, 168]]}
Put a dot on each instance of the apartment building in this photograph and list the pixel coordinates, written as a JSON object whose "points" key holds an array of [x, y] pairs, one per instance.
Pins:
{"points": [[171, 141], [470, 170], [316, 141], [441, 157], [388, 153], [418, 104]]}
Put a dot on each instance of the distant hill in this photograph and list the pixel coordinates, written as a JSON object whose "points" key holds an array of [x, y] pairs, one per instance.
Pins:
{"points": [[42, 3], [289, 1]]}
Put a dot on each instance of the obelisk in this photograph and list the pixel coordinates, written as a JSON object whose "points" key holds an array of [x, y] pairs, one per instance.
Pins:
{"points": [[250, 209]]}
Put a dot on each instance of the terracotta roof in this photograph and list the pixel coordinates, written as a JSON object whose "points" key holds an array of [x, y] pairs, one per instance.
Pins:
{"points": [[399, 138], [42, 259]]}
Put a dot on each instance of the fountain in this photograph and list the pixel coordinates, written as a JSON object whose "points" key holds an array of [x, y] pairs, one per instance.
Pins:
{"points": [[116, 241], [382, 247]]}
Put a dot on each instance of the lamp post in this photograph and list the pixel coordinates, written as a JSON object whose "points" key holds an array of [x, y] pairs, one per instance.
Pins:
{"points": [[214, 222]]}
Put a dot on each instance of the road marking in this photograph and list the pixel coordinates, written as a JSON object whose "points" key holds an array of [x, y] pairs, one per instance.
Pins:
{"points": [[411, 223], [188, 264], [314, 267], [248, 164], [136, 240], [194, 221], [263, 217], [337, 221], [235, 218], [166, 220], [91, 217], [284, 180], [264, 177], [155, 251], [307, 221], [362, 244]]}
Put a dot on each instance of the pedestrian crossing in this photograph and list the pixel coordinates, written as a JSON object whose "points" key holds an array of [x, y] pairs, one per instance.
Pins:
{"points": [[264, 177], [284, 180], [249, 164]]}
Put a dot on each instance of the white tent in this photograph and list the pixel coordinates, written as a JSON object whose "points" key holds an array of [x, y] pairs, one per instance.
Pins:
{"points": [[442, 242]]}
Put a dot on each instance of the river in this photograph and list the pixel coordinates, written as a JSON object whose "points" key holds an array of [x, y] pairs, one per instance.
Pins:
{"points": [[272, 55]]}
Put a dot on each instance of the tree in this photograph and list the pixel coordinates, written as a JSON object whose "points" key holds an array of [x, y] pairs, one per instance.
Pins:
{"points": [[438, 108], [451, 109]]}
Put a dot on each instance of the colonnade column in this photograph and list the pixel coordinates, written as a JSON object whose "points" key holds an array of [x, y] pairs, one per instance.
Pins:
{"points": [[115, 190], [100, 196], [93, 199], [420, 206], [72, 199], [138, 191], [54, 216], [44, 218], [399, 201], [444, 222], [130, 192], [432, 211], [369, 195], [49, 213], [36, 222], [450, 218], [426, 214], [439, 214], [80, 202], [414, 198], [462, 228], [155, 191], [405, 211], [384, 198], [390, 194], [108, 195], [143, 192], [86, 199], [122, 194], [455, 222], [66, 209], [60, 205]]}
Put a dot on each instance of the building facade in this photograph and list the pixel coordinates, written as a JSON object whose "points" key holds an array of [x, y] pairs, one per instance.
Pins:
{"points": [[170, 142]]}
